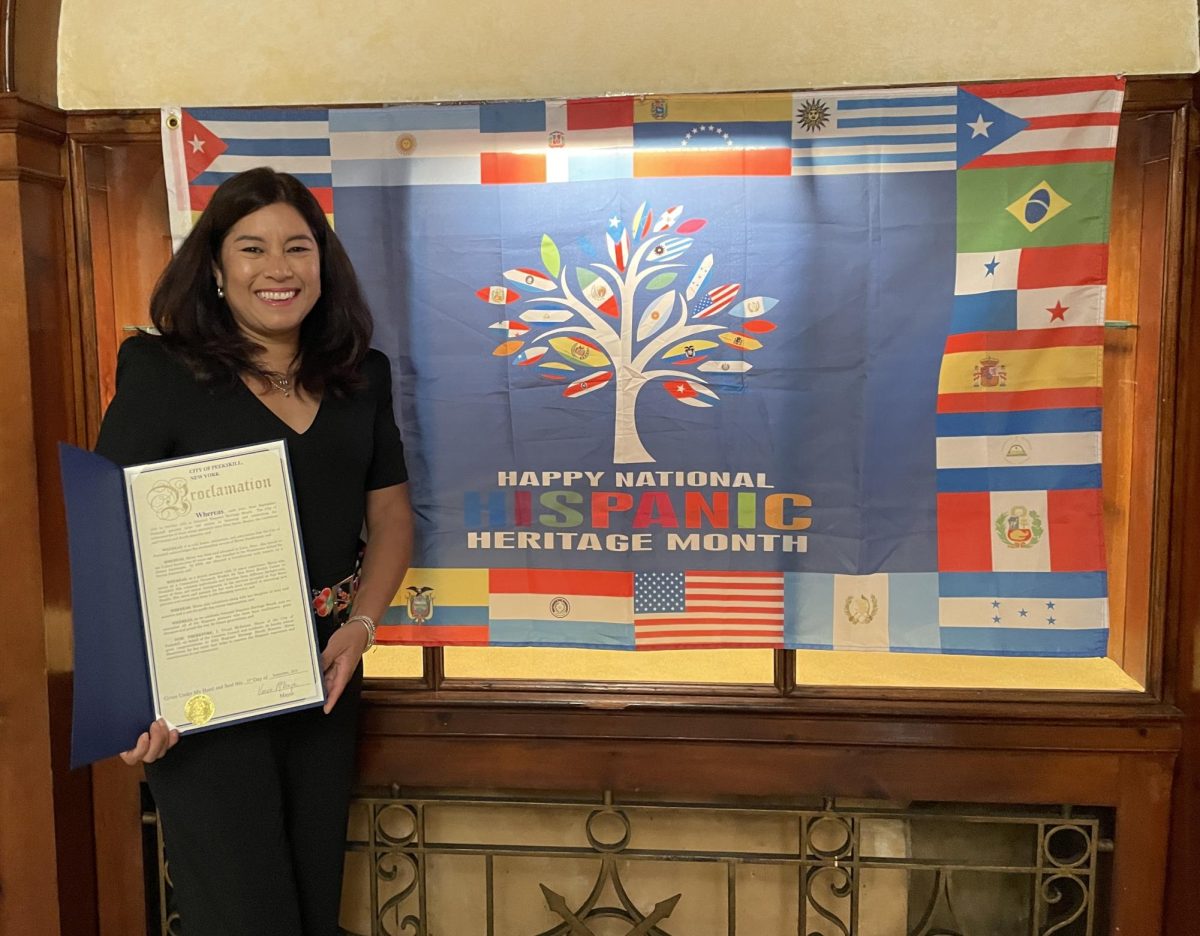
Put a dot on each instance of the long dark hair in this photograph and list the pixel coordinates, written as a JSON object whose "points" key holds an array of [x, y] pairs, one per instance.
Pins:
{"points": [[197, 324]]}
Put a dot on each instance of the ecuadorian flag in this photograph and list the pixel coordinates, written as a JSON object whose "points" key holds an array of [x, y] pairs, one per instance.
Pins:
{"points": [[438, 606]]}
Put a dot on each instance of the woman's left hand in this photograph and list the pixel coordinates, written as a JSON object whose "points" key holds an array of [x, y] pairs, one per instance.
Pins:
{"points": [[389, 547], [340, 658]]}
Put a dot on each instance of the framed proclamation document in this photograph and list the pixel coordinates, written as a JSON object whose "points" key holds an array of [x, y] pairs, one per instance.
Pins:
{"points": [[189, 593]]}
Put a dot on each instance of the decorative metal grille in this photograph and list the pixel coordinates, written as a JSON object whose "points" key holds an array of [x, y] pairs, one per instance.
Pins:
{"points": [[446, 865]]}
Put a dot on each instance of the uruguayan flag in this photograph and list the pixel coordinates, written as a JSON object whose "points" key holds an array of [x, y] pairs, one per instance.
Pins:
{"points": [[852, 132]]}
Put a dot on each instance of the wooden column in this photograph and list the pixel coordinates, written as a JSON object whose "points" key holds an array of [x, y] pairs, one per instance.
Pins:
{"points": [[1183, 642], [46, 847], [123, 241], [47, 857]]}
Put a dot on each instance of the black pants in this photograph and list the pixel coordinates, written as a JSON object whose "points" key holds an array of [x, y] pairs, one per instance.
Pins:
{"points": [[254, 820]]}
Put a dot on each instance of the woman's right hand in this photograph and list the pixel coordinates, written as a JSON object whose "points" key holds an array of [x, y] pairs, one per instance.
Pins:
{"points": [[152, 744]]}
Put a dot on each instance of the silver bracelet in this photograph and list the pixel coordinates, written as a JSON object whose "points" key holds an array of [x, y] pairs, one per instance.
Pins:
{"points": [[369, 624]]}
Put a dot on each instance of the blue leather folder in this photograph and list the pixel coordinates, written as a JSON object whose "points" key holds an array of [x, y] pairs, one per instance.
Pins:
{"points": [[113, 704]]}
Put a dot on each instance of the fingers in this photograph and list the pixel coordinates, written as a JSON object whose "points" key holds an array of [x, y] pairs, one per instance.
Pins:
{"points": [[338, 661], [172, 737], [336, 677], [159, 742], [331, 679], [151, 744], [135, 754], [332, 651]]}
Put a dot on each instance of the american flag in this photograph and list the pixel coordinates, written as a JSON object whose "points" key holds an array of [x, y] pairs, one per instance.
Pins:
{"points": [[716, 300], [675, 610]]}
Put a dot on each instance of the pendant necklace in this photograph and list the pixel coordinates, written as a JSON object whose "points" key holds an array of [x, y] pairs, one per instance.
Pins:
{"points": [[280, 382]]}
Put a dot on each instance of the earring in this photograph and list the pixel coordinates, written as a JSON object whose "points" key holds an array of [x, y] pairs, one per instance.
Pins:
{"points": [[220, 293]]}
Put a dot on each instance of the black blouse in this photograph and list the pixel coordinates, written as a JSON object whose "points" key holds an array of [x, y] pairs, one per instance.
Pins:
{"points": [[353, 446]]}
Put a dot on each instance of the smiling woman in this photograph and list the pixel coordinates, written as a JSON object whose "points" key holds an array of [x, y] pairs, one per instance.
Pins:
{"points": [[264, 335], [261, 274], [270, 273]]}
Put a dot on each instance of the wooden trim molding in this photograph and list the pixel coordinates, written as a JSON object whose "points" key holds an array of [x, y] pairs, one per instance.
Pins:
{"points": [[46, 846], [1157, 92], [8, 49], [119, 127], [1182, 594], [29, 49]]}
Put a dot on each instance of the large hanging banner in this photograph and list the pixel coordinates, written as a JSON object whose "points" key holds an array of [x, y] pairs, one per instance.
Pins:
{"points": [[814, 370]]}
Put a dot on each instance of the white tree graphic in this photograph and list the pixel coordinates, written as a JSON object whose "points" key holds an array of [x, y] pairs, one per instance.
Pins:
{"points": [[602, 336]]}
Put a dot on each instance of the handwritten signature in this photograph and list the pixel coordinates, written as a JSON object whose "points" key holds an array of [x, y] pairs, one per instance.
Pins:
{"points": [[284, 689]]}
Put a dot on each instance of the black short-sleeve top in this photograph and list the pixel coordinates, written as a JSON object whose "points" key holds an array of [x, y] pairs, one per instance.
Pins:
{"points": [[353, 446]]}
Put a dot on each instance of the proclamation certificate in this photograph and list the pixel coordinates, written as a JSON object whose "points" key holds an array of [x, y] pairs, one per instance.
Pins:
{"points": [[229, 631]]}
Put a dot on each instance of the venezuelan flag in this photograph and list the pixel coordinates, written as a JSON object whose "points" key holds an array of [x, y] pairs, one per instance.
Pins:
{"points": [[713, 135]]}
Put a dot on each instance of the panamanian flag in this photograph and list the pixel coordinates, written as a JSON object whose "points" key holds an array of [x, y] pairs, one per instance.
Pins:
{"points": [[797, 369]]}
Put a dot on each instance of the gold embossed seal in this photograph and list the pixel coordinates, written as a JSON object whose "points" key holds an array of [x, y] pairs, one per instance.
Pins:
{"points": [[199, 709]]}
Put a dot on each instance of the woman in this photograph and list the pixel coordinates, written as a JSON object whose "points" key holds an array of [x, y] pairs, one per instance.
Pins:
{"points": [[264, 334]]}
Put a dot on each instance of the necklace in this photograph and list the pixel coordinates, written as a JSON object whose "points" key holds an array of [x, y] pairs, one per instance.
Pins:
{"points": [[280, 382]]}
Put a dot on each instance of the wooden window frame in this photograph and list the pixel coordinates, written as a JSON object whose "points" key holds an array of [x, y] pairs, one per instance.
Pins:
{"points": [[1140, 625]]}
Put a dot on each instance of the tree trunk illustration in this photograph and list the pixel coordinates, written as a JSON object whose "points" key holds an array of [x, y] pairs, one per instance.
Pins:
{"points": [[627, 444]]}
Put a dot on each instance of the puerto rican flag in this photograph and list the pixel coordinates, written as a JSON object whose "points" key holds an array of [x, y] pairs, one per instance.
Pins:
{"points": [[1039, 123]]}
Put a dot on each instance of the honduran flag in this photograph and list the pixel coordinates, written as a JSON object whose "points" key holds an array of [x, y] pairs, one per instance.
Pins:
{"points": [[1014, 613]]}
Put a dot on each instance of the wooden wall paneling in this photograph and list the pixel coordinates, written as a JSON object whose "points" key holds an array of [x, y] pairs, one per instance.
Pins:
{"points": [[1124, 271], [1157, 181], [123, 242], [1143, 802], [46, 845], [1183, 593], [1145, 195], [1157, 460], [708, 750], [89, 196], [28, 863], [783, 756], [32, 39], [120, 871], [137, 208]]}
